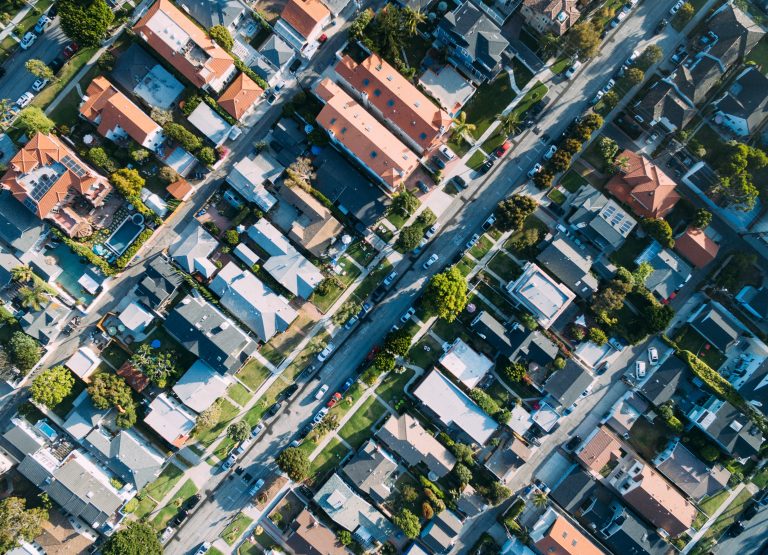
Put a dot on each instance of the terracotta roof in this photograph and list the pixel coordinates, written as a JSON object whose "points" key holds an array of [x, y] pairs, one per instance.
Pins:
{"points": [[240, 96], [310, 537], [564, 539], [600, 449], [116, 109], [315, 228], [362, 134], [135, 378], [396, 98], [180, 189], [305, 15], [695, 246], [659, 502], [648, 190], [183, 44]]}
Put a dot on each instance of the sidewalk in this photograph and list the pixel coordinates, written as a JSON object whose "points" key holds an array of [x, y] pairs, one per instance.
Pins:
{"points": [[720, 510], [11, 27]]}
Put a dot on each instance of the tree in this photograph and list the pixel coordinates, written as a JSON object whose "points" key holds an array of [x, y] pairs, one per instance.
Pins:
{"points": [[560, 161], [344, 537], [207, 155], [22, 273], [409, 238], [515, 372], [427, 511], [739, 190], [138, 155], [597, 336], [660, 230], [463, 453], [33, 297], [634, 76], [231, 237], [110, 390], [238, 431], [39, 68], [510, 123], [543, 179], [209, 417], [446, 294], [651, 55], [620, 165], [641, 273], [463, 473], [85, 21], [609, 100], [407, 522], [405, 203], [168, 174], [461, 128], [52, 386], [549, 43], [24, 351], [98, 156], [540, 499], [128, 182], [33, 120], [162, 117], [498, 493], [294, 462], [608, 150], [583, 39], [657, 316], [512, 212], [398, 342], [137, 538], [413, 18], [185, 138], [571, 146], [223, 38], [17, 523], [702, 219], [559, 363], [684, 14]]}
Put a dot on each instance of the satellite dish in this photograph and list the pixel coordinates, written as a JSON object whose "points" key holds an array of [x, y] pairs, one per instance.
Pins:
{"points": [[346, 239]]}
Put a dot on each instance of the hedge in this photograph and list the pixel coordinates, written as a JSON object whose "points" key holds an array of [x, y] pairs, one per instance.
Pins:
{"points": [[239, 64]]}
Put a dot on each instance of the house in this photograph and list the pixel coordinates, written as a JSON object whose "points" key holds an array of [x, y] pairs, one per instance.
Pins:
{"points": [[83, 363], [208, 13], [718, 326], [565, 261], [471, 504], [533, 349], [600, 452], [508, 457], [694, 80], [744, 106], [465, 364], [737, 34], [734, 432], [138, 71], [625, 412], [696, 247], [301, 23], [288, 141], [240, 98], [371, 470], [7, 263], [599, 220], [383, 91], [209, 123], [550, 16], [553, 533], [186, 46], [448, 87], [171, 420], [117, 117], [541, 295], [454, 408], [181, 189], [308, 535], [206, 333], [754, 301], [158, 284], [135, 318], [313, 225], [661, 104], [755, 388], [441, 533], [265, 312], [662, 384], [275, 55], [358, 133], [669, 273], [45, 324], [19, 229], [129, 456], [565, 386], [353, 513], [251, 174], [644, 187], [46, 176], [406, 438], [200, 386], [689, 473], [246, 255], [493, 332], [287, 265], [192, 250], [474, 42]]}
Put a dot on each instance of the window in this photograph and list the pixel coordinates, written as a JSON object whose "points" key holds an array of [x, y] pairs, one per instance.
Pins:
{"points": [[390, 103], [423, 136], [376, 92], [333, 120], [374, 154], [366, 82], [343, 130]]}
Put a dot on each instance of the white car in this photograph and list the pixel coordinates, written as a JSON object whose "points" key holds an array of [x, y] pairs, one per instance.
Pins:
{"points": [[407, 316], [204, 547], [257, 429], [39, 84], [676, 8], [609, 85], [618, 19], [390, 278], [600, 94], [321, 392], [254, 489], [325, 353], [42, 24], [25, 99], [534, 170], [550, 153], [166, 535], [653, 355], [571, 71], [640, 369], [431, 231], [320, 415], [28, 40], [431, 260], [445, 151]]}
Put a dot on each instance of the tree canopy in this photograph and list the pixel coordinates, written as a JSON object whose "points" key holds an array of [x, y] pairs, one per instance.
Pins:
{"points": [[183, 136], [157, 365], [39, 68], [294, 462], [512, 212], [85, 21], [238, 431], [398, 342], [18, 523], [583, 39], [209, 417], [109, 390], [407, 522], [33, 120], [446, 294], [409, 238], [660, 230], [736, 163], [702, 219], [128, 182], [24, 351], [137, 538], [52, 386], [221, 35]]}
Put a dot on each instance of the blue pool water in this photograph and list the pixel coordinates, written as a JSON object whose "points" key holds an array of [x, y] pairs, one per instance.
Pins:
{"points": [[46, 429], [125, 234], [72, 270]]}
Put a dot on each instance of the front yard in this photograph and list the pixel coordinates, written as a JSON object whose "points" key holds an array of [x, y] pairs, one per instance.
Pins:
{"points": [[488, 102], [358, 428], [236, 528]]}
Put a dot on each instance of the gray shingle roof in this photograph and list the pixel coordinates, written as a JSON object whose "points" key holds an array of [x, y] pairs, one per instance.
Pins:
{"points": [[747, 98], [567, 384], [716, 327], [159, 282], [736, 32], [661, 385], [370, 470], [213, 12], [564, 260], [19, 228], [661, 102], [476, 33]]}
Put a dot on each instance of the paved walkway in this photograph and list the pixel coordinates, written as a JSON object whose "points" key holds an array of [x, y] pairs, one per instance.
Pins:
{"points": [[11, 27], [720, 510]]}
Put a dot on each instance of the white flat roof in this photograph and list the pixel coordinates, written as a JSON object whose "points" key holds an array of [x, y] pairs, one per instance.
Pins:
{"points": [[546, 417], [546, 298], [200, 386], [449, 87], [83, 362], [520, 420], [211, 124], [465, 364]]}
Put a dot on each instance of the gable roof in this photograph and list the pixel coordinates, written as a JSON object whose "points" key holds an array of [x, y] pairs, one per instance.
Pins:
{"points": [[729, 427], [476, 33], [170, 419], [240, 96], [599, 449], [554, 534], [746, 99], [305, 15], [371, 470], [181, 189], [494, 333], [311, 537], [315, 228], [18, 227], [737, 34], [567, 384], [200, 386], [661, 385], [661, 102], [193, 248], [695, 82], [644, 187], [213, 12], [277, 52], [564, 260], [249, 176], [716, 326], [441, 532], [127, 455], [696, 246], [158, 283], [600, 219], [670, 272], [405, 436], [45, 324], [689, 473]]}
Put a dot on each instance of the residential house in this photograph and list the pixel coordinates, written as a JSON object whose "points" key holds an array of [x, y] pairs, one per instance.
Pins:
{"points": [[550, 16], [669, 273], [135, 318], [599, 220], [493, 332], [140, 72], [117, 117], [206, 333], [737, 34], [535, 350], [288, 141], [566, 261], [441, 533], [309, 536], [694, 80], [372, 471], [275, 55], [755, 388], [265, 312], [45, 325], [353, 513], [689, 473], [465, 364], [382, 90], [83, 363], [241, 97], [287, 265], [644, 187], [661, 104], [181, 189], [475, 43], [358, 133], [186, 46], [206, 120], [541, 295], [471, 504], [313, 225], [171, 420], [158, 284], [754, 301], [246, 255], [718, 326], [554, 533], [250, 176], [19, 229], [192, 250], [406, 438], [600, 452], [453, 408], [448, 87], [46, 176], [7, 263], [200, 386], [744, 106], [301, 23], [565, 386], [208, 13], [662, 383], [625, 412], [733, 431], [696, 247], [508, 457]]}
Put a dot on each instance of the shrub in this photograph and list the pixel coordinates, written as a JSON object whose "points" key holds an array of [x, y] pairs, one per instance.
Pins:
{"points": [[207, 155], [181, 135], [597, 336]]}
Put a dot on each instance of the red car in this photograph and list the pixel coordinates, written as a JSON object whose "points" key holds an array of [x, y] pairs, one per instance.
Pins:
{"points": [[335, 398], [70, 50], [322, 38], [503, 149]]}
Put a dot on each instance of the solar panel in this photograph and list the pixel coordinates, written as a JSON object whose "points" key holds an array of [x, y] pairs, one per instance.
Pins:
{"points": [[73, 166]]}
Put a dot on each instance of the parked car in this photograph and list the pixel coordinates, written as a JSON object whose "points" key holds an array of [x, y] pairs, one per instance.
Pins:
{"points": [[571, 71], [550, 152], [166, 535], [621, 16], [679, 55], [609, 85], [180, 517], [602, 368], [632, 58], [651, 137], [407, 315], [423, 187], [534, 170], [27, 40], [257, 429], [25, 99], [653, 355], [366, 308], [502, 150], [676, 8], [486, 167], [320, 415], [379, 293], [254, 489], [326, 352], [351, 322], [438, 162], [617, 344], [735, 529], [42, 24], [335, 398], [294, 67], [751, 511], [458, 182], [431, 260], [489, 222], [660, 27], [290, 390], [445, 151], [321, 392], [640, 369], [600, 94], [272, 411], [347, 385], [39, 84], [432, 230], [390, 278], [204, 547], [472, 241], [70, 50], [421, 245]]}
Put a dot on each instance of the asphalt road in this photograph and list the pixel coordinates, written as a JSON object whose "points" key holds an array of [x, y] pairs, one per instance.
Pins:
{"points": [[751, 541]]}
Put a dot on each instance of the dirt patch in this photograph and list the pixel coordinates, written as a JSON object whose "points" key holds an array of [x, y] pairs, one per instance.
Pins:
{"points": [[272, 485]]}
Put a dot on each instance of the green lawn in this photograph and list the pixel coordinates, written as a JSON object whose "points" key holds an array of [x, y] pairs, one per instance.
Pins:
{"points": [[460, 147], [465, 265], [690, 340], [329, 457], [593, 156], [494, 141], [503, 266], [495, 297], [560, 65], [761, 478], [373, 279], [710, 504], [481, 248], [350, 273], [572, 181], [228, 412], [165, 482], [759, 55], [253, 374], [239, 394], [488, 102], [397, 218], [358, 427], [350, 398], [556, 196], [236, 528], [67, 110], [711, 141], [115, 355], [392, 386], [362, 252], [726, 518], [169, 511], [425, 358], [523, 75], [535, 94], [631, 249], [146, 506], [64, 76], [476, 160], [648, 439]]}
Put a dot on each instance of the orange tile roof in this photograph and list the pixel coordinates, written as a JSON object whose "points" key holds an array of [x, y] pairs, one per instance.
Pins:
{"points": [[564, 539], [180, 189], [396, 98], [116, 109], [363, 135], [47, 151], [172, 35], [305, 15], [655, 499], [694, 245], [600, 449], [644, 187], [240, 96]]}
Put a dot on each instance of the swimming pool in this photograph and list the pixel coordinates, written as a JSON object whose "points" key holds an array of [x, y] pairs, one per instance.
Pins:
{"points": [[46, 429], [125, 234], [73, 268]]}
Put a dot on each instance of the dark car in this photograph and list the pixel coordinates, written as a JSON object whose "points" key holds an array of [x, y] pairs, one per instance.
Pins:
{"points": [[459, 182], [735, 529], [304, 432], [290, 390], [379, 293], [272, 411], [347, 385], [486, 167], [56, 65], [573, 443], [438, 162], [660, 27], [192, 502], [179, 518], [751, 511], [366, 308], [295, 66]]}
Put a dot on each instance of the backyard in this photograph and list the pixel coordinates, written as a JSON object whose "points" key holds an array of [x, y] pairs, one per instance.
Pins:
{"points": [[689, 339]]}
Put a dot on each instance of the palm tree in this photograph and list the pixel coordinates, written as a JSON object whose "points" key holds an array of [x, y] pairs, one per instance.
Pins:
{"points": [[22, 273], [510, 123], [413, 18], [461, 127], [33, 297], [540, 500], [622, 164]]}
